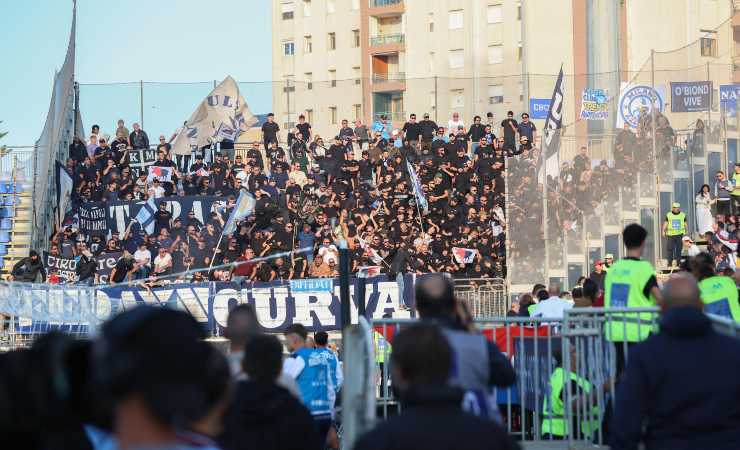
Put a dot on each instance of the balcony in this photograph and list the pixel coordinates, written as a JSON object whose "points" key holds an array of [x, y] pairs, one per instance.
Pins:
{"points": [[387, 39], [380, 8], [384, 3], [388, 82]]}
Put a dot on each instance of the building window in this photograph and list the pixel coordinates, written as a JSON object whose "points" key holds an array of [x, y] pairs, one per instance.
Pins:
{"points": [[309, 115], [456, 19], [307, 45], [709, 46], [496, 94], [495, 54], [333, 78], [358, 111], [355, 5], [355, 38], [457, 98], [288, 48], [333, 115], [357, 74], [287, 10], [306, 8], [457, 59], [309, 80], [332, 45], [331, 7], [495, 14]]}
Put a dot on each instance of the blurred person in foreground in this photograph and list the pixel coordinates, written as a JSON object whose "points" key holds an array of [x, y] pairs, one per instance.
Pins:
{"points": [[681, 387], [241, 326], [264, 415], [479, 364], [160, 383], [431, 417], [719, 293]]}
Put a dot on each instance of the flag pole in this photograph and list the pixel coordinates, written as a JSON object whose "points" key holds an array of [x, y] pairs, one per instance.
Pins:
{"points": [[420, 221], [220, 238]]}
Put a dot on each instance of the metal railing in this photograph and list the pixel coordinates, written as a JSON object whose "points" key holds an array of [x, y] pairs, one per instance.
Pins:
{"points": [[379, 78], [382, 3], [485, 297], [536, 349], [384, 39]]}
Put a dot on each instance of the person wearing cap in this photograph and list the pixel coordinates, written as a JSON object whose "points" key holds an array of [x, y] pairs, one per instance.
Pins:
{"points": [[688, 249], [674, 227], [608, 261], [599, 274]]}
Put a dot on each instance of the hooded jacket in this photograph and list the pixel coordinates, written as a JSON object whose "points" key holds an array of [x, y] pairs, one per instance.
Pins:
{"points": [[266, 416], [684, 383], [28, 270]]}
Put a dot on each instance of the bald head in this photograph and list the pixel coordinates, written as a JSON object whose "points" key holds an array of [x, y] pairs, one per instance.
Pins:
{"points": [[435, 296], [681, 290], [554, 289]]}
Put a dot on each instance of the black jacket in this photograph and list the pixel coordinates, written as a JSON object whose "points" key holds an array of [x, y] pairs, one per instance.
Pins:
{"points": [[27, 270], [86, 267], [265, 416], [684, 383], [431, 419]]}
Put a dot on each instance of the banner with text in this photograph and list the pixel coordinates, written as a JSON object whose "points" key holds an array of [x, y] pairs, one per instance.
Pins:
{"points": [[538, 108], [691, 96], [276, 304], [121, 213], [65, 267], [728, 96], [140, 160], [594, 104], [93, 219]]}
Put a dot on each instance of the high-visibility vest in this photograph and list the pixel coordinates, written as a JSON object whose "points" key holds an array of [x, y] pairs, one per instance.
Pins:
{"points": [[553, 411], [382, 346], [676, 223], [735, 183], [623, 286], [720, 297], [530, 308]]}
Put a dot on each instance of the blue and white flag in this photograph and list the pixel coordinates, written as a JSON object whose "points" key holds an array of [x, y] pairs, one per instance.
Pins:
{"points": [[244, 208], [418, 192], [145, 217]]}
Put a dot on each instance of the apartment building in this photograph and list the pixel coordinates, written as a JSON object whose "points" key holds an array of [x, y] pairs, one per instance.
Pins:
{"points": [[358, 59]]}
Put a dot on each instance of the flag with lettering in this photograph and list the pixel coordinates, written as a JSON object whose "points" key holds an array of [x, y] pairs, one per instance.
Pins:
{"points": [[92, 218], [553, 128], [464, 255], [224, 112]]}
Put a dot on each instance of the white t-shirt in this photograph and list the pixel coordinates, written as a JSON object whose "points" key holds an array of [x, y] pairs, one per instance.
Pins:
{"points": [[156, 191], [143, 257], [552, 308], [452, 125], [161, 262], [329, 253]]}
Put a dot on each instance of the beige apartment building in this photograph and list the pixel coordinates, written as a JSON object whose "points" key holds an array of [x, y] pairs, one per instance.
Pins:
{"points": [[358, 59]]}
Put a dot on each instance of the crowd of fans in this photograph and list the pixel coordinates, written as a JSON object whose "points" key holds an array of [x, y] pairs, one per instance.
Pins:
{"points": [[309, 194]]}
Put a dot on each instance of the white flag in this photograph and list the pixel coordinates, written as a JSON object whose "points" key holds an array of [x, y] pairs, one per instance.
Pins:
{"points": [[224, 108]]}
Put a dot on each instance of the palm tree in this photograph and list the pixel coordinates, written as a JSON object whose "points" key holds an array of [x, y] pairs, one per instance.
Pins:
{"points": [[3, 150]]}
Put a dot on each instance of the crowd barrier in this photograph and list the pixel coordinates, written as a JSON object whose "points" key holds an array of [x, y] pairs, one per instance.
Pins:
{"points": [[535, 347]]}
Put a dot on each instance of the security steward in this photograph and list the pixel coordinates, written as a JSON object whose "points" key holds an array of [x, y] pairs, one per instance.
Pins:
{"points": [[719, 293], [674, 227]]}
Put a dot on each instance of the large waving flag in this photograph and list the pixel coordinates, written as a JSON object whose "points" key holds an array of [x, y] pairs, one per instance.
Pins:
{"points": [[418, 192], [223, 114], [244, 208], [374, 256], [145, 217], [464, 255], [553, 128]]}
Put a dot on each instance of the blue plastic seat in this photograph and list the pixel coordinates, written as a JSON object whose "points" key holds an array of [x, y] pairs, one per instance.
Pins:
{"points": [[10, 200], [4, 237], [3, 249], [7, 212], [6, 224]]}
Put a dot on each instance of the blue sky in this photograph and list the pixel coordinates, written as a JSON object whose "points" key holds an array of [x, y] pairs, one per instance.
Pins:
{"points": [[157, 41]]}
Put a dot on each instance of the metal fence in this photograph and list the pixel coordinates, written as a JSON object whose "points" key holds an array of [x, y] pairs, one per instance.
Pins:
{"points": [[536, 348], [485, 297]]}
